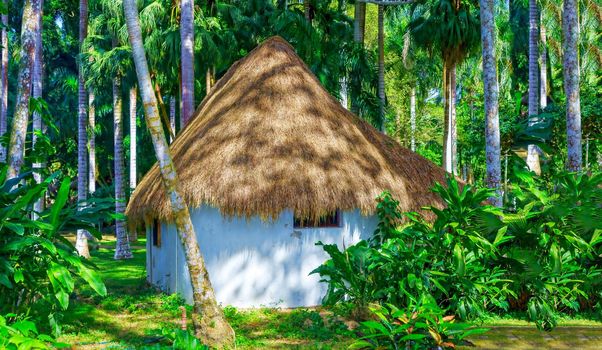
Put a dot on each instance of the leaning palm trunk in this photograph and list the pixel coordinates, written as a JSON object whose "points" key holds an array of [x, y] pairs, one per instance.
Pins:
{"points": [[381, 67], [533, 110], [29, 29], [209, 321], [491, 93], [36, 92], [81, 240], [570, 62], [187, 57], [4, 83], [122, 244]]}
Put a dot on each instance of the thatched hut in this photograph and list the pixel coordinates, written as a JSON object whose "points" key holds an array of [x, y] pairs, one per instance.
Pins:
{"points": [[269, 165]]}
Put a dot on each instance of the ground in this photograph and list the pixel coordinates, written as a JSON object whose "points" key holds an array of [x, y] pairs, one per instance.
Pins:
{"points": [[135, 316]]}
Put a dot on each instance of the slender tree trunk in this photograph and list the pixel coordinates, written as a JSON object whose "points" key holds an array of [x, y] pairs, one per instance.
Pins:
{"points": [[4, 83], [543, 67], [445, 101], [570, 63], [359, 22], [491, 93], [172, 117], [306, 10], [212, 328], [187, 56], [133, 141], [344, 94], [453, 131], [133, 236], [532, 151], [37, 78], [122, 245], [207, 81], [381, 67], [29, 29], [81, 241], [413, 118], [91, 142]]}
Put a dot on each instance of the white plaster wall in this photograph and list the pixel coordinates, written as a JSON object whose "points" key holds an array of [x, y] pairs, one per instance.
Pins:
{"points": [[252, 262]]}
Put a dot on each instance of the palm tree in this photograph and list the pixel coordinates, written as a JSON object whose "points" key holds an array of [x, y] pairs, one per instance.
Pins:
{"points": [[359, 22], [491, 93], [451, 26], [570, 63], [133, 142], [381, 66], [36, 92], [172, 116], [413, 118], [187, 59], [122, 245], [29, 29], [543, 66], [212, 328], [533, 110], [91, 141], [4, 82]]}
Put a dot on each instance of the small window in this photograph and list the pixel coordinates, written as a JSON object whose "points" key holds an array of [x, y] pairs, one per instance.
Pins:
{"points": [[156, 233], [332, 219]]}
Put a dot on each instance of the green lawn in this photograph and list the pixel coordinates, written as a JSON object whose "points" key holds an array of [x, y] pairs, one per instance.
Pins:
{"points": [[133, 315]]}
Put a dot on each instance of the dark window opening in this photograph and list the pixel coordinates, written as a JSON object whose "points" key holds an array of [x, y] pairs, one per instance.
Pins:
{"points": [[332, 219], [156, 233]]}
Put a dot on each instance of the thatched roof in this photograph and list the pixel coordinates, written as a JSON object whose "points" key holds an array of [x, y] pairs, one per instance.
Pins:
{"points": [[269, 137]]}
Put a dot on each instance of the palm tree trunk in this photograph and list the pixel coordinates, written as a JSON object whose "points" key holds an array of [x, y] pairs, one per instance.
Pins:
{"points": [[29, 29], [122, 245], [36, 117], [306, 10], [570, 63], [445, 101], [491, 93], [207, 81], [413, 119], [453, 131], [359, 22], [532, 151], [4, 82], [91, 142], [81, 241], [543, 67], [187, 57], [133, 141], [381, 67], [212, 328], [172, 117]]}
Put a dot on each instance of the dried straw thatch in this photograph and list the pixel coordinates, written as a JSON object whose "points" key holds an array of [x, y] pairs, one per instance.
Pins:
{"points": [[269, 137]]}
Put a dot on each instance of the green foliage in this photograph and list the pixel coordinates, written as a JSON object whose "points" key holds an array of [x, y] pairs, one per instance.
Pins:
{"points": [[23, 335], [421, 325], [541, 257], [38, 266]]}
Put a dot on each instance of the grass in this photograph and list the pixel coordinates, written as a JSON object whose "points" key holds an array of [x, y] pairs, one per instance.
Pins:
{"points": [[133, 316]]}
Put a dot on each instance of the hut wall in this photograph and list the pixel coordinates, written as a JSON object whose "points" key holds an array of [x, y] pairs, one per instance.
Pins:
{"points": [[252, 262]]}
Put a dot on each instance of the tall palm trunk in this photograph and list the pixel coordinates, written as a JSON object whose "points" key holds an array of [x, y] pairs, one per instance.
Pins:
{"points": [[381, 67], [81, 241], [187, 57], [413, 119], [445, 102], [133, 236], [491, 93], [29, 29], [4, 83], [543, 67], [36, 92], [91, 142], [449, 126], [212, 328], [359, 22], [122, 245], [133, 142], [532, 151], [306, 10], [570, 63]]}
